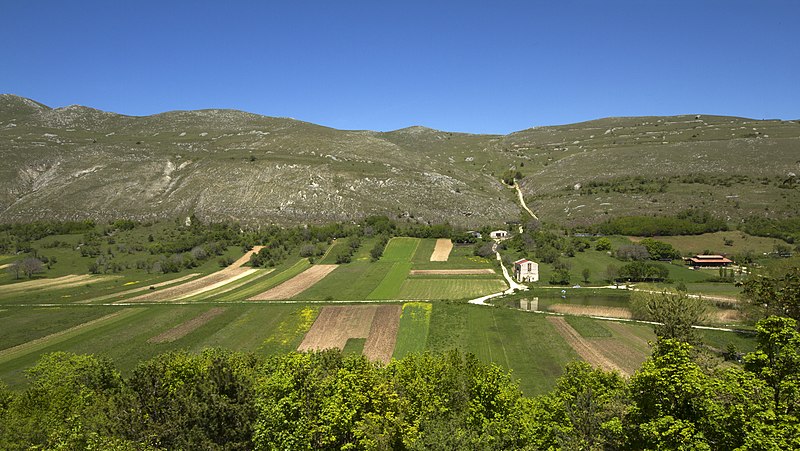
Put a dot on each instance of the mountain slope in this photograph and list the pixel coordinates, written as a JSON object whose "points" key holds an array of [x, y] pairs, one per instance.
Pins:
{"points": [[78, 162]]}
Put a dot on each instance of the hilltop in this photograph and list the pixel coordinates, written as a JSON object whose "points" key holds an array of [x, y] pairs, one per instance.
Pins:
{"points": [[78, 162]]}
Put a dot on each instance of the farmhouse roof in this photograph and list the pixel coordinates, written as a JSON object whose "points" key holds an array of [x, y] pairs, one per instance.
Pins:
{"points": [[522, 260], [709, 259]]}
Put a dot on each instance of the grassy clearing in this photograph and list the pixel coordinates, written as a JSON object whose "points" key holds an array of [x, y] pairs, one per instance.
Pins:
{"points": [[587, 327], [412, 334], [349, 282], [522, 342], [392, 283], [461, 288], [400, 249]]}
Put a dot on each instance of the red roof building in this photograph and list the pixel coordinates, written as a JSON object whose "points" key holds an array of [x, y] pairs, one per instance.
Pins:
{"points": [[708, 260]]}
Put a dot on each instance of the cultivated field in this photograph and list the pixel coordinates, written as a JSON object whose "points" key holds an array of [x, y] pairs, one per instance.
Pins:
{"points": [[58, 283], [587, 350], [591, 310], [451, 272], [184, 329], [336, 325], [233, 272], [295, 285], [442, 250]]}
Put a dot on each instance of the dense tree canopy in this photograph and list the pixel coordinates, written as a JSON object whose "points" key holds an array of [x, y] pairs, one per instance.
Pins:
{"points": [[329, 400]]}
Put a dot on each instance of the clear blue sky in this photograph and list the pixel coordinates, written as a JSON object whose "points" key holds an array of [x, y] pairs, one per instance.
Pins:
{"points": [[467, 66]]}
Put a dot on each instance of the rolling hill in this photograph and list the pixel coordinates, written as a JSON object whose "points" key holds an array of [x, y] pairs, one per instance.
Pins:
{"points": [[77, 162]]}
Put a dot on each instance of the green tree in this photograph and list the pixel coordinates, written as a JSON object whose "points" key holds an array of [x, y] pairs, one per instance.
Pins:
{"points": [[584, 411], [775, 295], [603, 244], [669, 394], [676, 313], [777, 361]]}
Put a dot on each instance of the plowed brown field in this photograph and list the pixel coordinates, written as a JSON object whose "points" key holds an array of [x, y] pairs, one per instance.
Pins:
{"points": [[442, 250], [336, 324], [296, 284]]}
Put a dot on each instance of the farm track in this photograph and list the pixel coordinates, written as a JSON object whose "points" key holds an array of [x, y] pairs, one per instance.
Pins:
{"points": [[195, 287], [188, 327], [58, 337], [583, 347], [296, 284], [383, 333], [441, 253]]}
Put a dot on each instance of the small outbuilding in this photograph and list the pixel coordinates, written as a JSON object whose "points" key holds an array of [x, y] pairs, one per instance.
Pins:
{"points": [[526, 271], [499, 234], [708, 261]]}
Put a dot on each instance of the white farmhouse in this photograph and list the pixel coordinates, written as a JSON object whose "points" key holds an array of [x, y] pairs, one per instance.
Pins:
{"points": [[526, 271], [499, 234]]}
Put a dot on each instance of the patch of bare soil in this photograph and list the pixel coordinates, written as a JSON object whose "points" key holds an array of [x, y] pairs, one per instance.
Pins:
{"points": [[451, 272], [442, 250], [592, 310], [296, 284], [184, 329], [336, 324], [583, 347], [207, 283], [383, 333]]}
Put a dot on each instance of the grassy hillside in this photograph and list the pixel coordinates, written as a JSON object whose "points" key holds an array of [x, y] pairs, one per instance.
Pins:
{"points": [[77, 162]]}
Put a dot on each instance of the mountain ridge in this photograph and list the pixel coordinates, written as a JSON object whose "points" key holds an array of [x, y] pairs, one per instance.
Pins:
{"points": [[78, 162]]}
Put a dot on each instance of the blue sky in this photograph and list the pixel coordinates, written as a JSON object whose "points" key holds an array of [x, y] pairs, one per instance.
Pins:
{"points": [[482, 67]]}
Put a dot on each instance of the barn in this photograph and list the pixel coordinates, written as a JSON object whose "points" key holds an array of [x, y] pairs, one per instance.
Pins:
{"points": [[708, 261]]}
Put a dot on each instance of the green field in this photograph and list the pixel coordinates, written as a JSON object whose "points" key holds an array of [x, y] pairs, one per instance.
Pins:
{"points": [[350, 282], [448, 288], [412, 335], [390, 286], [400, 249], [266, 329], [522, 342]]}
